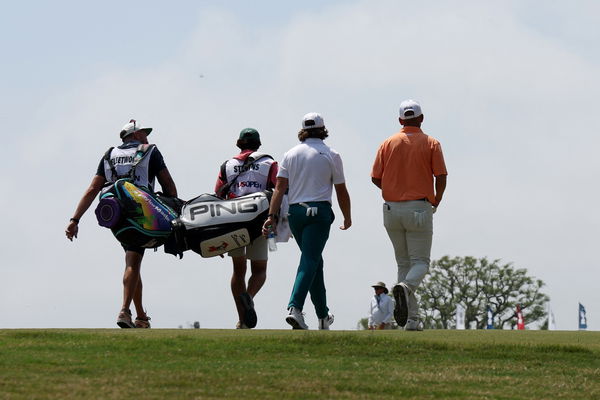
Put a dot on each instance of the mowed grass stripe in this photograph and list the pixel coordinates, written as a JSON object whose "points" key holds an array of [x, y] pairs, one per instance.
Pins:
{"points": [[264, 364]]}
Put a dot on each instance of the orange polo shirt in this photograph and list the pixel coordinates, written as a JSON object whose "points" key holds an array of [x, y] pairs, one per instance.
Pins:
{"points": [[406, 164]]}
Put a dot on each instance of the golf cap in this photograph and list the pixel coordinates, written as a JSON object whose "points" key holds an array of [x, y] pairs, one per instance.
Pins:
{"points": [[312, 121], [410, 109], [381, 285], [133, 126], [250, 133]]}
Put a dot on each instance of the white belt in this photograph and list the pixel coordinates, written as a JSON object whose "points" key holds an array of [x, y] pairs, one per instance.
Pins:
{"points": [[310, 211]]}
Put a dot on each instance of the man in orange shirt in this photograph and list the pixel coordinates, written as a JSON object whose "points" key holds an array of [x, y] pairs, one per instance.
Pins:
{"points": [[404, 169]]}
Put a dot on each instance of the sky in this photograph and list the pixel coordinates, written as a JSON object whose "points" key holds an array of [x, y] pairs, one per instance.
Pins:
{"points": [[508, 88]]}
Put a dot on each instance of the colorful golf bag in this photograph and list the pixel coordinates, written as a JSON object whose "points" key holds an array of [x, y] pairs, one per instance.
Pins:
{"points": [[135, 215], [211, 226]]}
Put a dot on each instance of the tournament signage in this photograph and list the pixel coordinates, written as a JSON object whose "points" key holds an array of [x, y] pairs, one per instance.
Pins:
{"points": [[582, 317]]}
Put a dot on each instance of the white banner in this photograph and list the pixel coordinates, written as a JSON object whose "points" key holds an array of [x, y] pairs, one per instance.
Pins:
{"points": [[551, 319], [460, 317]]}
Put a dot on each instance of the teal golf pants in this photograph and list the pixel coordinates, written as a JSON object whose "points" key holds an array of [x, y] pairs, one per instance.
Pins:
{"points": [[311, 233]]}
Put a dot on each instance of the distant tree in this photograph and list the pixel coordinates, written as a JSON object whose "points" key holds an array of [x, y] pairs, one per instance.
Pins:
{"points": [[477, 283], [363, 324]]}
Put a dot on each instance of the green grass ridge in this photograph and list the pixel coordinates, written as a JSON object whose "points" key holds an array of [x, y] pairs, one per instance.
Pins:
{"points": [[270, 364]]}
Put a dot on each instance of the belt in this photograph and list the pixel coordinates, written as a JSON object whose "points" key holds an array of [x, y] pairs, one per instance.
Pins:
{"points": [[314, 202], [402, 201], [310, 210]]}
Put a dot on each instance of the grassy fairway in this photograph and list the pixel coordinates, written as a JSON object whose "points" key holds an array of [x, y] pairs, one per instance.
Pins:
{"points": [[184, 364]]}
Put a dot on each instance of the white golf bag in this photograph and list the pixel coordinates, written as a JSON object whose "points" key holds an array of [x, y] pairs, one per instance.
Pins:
{"points": [[210, 226]]}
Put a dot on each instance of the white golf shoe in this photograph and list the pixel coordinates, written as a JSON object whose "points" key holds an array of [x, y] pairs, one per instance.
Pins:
{"points": [[324, 323], [413, 325], [296, 319]]}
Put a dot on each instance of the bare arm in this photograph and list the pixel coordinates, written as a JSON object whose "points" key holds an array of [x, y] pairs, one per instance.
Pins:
{"points": [[166, 183], [343, 199], [440, 187], [271, 222], [85, 202], [376, 182]]}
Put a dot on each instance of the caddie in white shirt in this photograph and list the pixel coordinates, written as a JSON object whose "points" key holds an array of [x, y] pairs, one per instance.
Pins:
{"points": [[310, 171]]}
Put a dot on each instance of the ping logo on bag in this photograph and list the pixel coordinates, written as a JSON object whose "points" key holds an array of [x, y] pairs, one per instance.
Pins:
{"points": [[208, 211], [218, 209]]}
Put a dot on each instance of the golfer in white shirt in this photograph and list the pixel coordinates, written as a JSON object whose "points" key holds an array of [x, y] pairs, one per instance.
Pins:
{"points": [[310, 170]]}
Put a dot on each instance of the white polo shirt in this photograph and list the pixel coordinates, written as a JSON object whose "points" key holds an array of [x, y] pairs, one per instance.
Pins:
{"points": [[312, 169]]}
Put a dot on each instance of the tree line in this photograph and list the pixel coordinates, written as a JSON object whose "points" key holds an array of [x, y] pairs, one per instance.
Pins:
{"points": [[476, 284]]}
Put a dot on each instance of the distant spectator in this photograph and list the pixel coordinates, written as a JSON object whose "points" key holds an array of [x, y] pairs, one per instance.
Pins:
{"points": [[382, 308]]}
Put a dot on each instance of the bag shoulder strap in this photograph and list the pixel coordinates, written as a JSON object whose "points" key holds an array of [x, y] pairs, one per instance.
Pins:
{"points": [[256, 156], [140, 154], [223, 171], [113, 170]]}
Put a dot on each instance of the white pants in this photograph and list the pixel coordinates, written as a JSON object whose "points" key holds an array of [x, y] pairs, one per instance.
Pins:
{"points": [[409, 225]]}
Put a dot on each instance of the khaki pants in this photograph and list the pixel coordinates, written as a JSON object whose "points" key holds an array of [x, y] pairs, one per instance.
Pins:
{"points": [[409, 225]]}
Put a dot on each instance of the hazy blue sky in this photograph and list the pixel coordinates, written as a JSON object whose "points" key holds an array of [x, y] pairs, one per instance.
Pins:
{"points": [[509, 88]]}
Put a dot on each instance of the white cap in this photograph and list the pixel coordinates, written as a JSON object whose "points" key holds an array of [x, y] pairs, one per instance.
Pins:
{"points": [[312, 120], [131, 127], [410, 107]]}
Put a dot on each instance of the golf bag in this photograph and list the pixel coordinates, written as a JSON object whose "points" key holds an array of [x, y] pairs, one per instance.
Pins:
{"points": [[211, 226], [135, 215]]}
